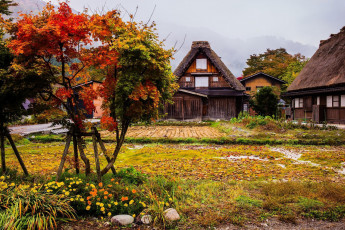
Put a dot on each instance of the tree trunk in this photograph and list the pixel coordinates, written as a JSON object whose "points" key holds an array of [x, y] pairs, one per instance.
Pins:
{"points": [[82, 155], [75, 148]]}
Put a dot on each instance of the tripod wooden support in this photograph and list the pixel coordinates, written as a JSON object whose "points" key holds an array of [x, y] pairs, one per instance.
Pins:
{"points": [[76, 137], [4, 132]]}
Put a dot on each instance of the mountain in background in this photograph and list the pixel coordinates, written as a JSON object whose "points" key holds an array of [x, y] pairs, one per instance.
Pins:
{"points": [[233, 51]]}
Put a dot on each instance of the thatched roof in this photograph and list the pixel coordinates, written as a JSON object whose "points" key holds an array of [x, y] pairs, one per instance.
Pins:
{"points": [[327, 66], [205, 48]]}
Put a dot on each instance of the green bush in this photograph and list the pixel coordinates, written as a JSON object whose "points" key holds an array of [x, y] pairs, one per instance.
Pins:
{"points": [[131, 176]]}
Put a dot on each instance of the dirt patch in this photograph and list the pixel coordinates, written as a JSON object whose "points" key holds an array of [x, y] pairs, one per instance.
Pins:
{"points": [[173, 132], [274, 224]]}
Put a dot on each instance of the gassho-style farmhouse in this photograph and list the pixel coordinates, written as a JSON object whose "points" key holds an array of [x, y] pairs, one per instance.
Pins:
{"points": [[209, 91], [318, 92]]}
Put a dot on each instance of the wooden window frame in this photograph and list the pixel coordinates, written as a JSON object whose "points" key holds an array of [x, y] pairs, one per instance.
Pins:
{"points": [[215, 79], [301, 102], [335, 101], [342, 101], [188, 79]]}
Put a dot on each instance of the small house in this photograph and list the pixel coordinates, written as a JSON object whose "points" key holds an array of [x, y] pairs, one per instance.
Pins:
{"points": [[318, 92], [208, 89], [259, 80]]}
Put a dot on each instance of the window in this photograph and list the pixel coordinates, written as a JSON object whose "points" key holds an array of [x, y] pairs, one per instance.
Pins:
{"points": [[215, 79], [201, 63], [336, 101], [248, 88], [342, 104], [298, 102], [329, 101], [332, 101], [201, 81], [318, 100], [187, 79]]}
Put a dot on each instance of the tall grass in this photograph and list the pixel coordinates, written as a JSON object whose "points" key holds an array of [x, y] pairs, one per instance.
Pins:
{"points": [[31, 209]]}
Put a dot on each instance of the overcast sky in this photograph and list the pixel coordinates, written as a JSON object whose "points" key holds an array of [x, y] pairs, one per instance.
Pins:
{"points": [[242, 27]]}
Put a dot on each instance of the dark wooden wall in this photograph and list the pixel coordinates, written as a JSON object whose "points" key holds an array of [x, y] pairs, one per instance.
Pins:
{"points": [[185, 107], [222, 108]]}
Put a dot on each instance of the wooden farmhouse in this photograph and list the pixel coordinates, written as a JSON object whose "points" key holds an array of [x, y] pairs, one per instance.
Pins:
{"points": [[259, 80], [318, 92], [208, 89]]}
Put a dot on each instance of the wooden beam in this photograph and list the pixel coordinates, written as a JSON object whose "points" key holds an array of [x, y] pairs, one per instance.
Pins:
{"points": [[98, 168], [15, 150], [104, 150], [2, 144], [63, 158]]}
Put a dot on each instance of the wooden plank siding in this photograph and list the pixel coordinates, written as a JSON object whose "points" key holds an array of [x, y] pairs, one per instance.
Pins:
{"points": [[210, 68], [185, 106], [222, 108]]}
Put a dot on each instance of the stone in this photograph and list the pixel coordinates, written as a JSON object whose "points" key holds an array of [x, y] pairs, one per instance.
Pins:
{"points": [[107, 224], [146, 219], [171, 214], [122, 220]]}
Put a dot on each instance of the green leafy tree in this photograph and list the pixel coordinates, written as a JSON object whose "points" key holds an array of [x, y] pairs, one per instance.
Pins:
{"points": [[265, 102], [277, 63], [292, 71]]}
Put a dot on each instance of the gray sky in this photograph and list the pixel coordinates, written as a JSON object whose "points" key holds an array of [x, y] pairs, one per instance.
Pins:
{"points": [[236, 28]]}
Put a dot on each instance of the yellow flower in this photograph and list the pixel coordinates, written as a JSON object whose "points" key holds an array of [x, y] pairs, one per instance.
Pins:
{"points": [[170, 199], [66, 193], [125, 205], [167, 204], [109, 205], [109, 213], [88, 207], [102, 209], [101, 204], [133, 215], [82, 199], [126, 188], [131, 202], [72, 199], [116, 203]]}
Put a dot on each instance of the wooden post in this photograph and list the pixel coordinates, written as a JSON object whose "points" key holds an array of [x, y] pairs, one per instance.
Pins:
{"points": [[98, 168], [15, 150], [83, 157], [75, 148], [104, 150], [2, 144], [63, 158]]}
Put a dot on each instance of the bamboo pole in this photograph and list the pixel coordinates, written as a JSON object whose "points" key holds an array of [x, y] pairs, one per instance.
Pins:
{"points": [[15, 150], [63, 158]]}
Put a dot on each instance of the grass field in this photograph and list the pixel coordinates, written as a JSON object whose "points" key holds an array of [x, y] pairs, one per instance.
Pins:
{"points": [[215, 185]]}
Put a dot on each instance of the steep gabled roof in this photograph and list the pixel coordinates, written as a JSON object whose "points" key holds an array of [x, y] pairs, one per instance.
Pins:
{"points": [[261, 73], [327, 66], [204, 47]]}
